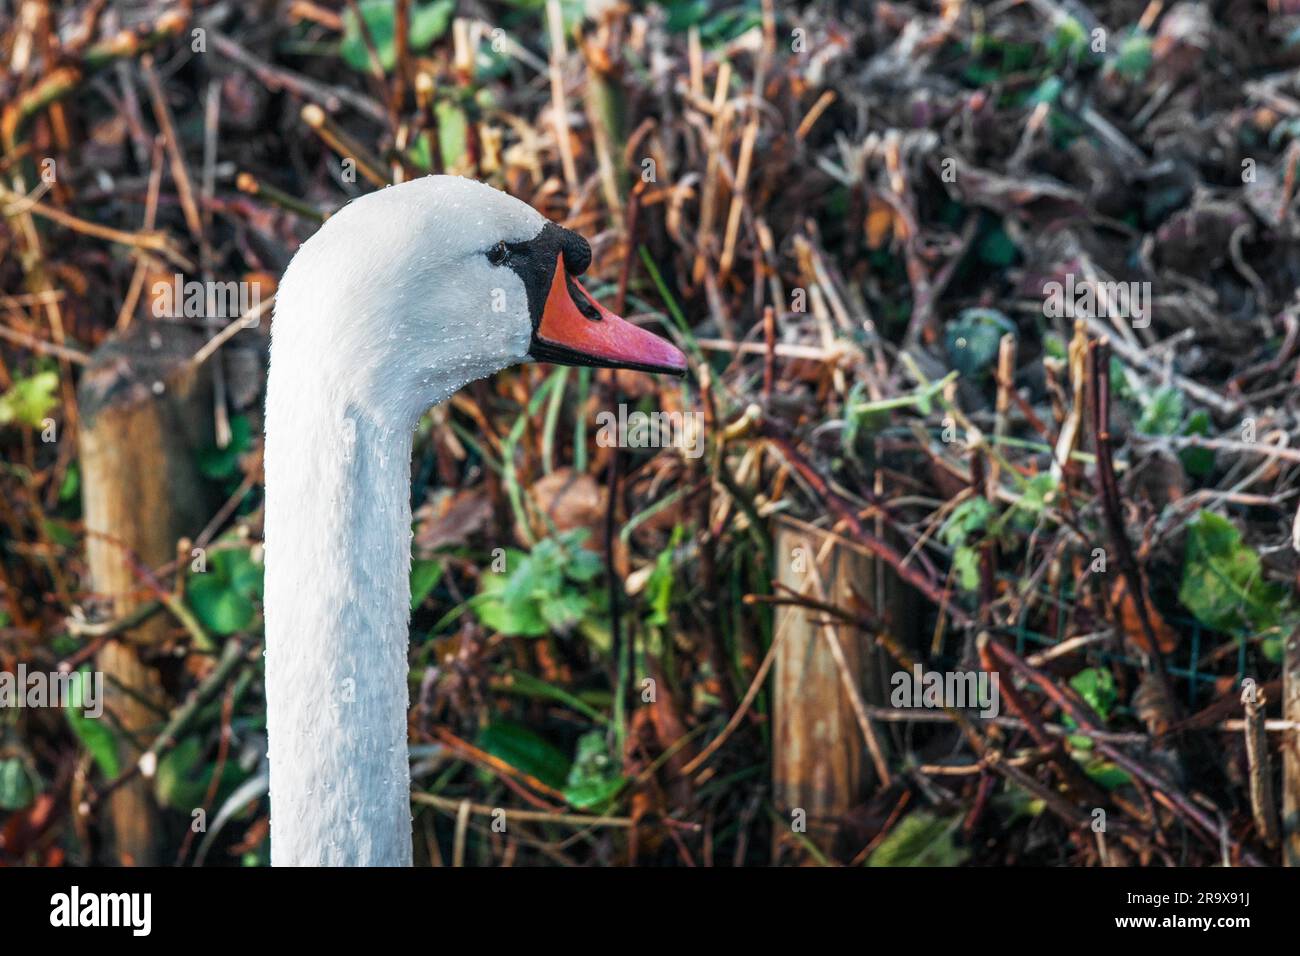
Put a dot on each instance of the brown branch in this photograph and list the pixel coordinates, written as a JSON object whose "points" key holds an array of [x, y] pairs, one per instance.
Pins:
{"points": [[845, 513], [1108, 490]]}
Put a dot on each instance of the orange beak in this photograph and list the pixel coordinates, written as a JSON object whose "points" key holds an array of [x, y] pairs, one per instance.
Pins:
{"points": [[575, 329]]}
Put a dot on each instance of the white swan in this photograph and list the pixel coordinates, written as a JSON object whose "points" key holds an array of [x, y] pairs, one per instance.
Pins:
{"points": [[400, 299]]}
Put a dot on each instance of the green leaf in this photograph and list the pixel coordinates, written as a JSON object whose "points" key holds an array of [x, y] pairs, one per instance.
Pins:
{"points": [[71, 486], [1070, 41], [59, 533], [513, 618], [1223, 583], [534, 596], [1096, 685], [966, 564], [967, 518], [716, 26], [172, 784], [584, 567], [997, 249], [659, 589], [1108, 775], [594, 795], [185, 776], [537, 576], [453, 133], [978, 74], [223, 596], [425, 576], [95, 734], [594, 778], [1134, 58], [1163, 415], [30, 400], [571, 11], [429, 21], [921, 839], [526, 751], [1037, 491], [1198, 462], [563, 611], [684, 14], [244, 573], [218, 607], [15, 785], [420, 155], [973, 338], [1054, 346], [1272, 648], [220, 463]]}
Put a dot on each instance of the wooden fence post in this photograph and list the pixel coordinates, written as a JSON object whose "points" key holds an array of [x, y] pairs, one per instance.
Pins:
{"points": [[822, 760], [144, 415]]}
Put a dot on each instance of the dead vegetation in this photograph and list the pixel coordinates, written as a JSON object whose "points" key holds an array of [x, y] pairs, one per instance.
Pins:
{"points": [[852, 221]]}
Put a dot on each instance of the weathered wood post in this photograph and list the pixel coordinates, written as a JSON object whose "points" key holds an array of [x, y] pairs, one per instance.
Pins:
{"points": [[144, 415], [822, 742]]}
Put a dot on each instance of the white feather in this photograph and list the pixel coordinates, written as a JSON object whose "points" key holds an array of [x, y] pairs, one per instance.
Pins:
{"points": [[386, 311]]}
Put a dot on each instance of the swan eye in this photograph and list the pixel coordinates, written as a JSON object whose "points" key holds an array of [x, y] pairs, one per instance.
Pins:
{"points": [[497, 254]]}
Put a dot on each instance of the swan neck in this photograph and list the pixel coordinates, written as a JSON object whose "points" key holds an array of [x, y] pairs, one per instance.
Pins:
{"points": [[338, 522]]}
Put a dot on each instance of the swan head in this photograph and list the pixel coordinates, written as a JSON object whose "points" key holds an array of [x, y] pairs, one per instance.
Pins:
{"points": [[411, 292]]}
